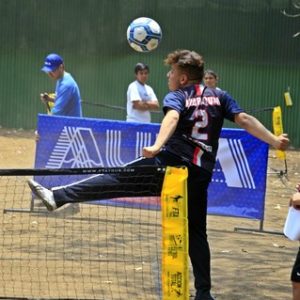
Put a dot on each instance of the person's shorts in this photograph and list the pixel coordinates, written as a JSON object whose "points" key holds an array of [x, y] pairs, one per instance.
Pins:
{"points": [[295, 276]]}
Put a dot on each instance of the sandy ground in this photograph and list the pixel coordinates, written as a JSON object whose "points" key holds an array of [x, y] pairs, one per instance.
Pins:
{"points": [[250, 264]]}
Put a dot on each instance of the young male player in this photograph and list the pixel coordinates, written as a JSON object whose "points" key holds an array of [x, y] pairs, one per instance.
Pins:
{"points": [[188, 135]]}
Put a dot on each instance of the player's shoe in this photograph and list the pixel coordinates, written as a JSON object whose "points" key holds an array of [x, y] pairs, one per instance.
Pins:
{"points": [[203, 295], [43, 194]]}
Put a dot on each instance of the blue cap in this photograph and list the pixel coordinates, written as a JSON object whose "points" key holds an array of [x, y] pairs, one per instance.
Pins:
{"points": [[52, 62]]}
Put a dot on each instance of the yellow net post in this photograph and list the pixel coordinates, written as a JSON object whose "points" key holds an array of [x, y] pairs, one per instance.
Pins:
{"points": [[175, 263], [278, 128]]}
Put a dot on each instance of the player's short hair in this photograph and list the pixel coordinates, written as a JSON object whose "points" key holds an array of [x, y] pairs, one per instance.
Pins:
{"points": [[141, 67], [189, 61], [212, 73]]}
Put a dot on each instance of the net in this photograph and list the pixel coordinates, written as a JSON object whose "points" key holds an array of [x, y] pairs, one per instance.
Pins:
{"points": [[109, 249]]}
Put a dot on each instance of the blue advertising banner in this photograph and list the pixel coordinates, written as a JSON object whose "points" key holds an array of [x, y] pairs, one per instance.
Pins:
{"points": [[239, 180]]}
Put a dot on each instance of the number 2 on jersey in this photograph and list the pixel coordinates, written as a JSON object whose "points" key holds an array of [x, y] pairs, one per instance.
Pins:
{"points": [[202, 122]]}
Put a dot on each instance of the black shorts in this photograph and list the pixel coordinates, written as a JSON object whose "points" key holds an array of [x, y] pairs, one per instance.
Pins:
{"points": [[295, 276]]}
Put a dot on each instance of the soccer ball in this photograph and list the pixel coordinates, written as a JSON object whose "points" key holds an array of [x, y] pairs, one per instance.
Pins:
{"points": [[144, 34]]}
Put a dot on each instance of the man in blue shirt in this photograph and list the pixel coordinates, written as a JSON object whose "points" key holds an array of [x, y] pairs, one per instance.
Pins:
{"points": [[188, 135], [67, 101]]}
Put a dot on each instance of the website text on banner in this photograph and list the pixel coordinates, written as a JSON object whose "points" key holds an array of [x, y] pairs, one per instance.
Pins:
{"points": [[239, 179]]}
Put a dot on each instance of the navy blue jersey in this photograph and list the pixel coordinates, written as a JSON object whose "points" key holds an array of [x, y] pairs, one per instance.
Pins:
{"points": [[202, 112]]}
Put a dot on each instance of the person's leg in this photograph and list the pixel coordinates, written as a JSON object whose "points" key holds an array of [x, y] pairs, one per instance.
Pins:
{"points": [[199, 252], [106, 186], [295, 277], [98, 187], [109, 186], [102, 186]]}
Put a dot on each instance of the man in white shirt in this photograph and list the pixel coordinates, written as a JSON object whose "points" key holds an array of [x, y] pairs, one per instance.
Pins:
{"points": [[141, 98]]}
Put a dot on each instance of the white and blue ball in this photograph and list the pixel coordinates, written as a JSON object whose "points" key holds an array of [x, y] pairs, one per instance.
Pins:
{"points": [[144, 34]]}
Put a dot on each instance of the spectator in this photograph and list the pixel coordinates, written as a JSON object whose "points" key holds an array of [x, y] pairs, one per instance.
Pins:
{"points": [[211, 79], [67, 101], [141, 98]]}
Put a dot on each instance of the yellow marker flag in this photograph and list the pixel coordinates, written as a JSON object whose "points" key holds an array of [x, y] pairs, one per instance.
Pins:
{"points": [[49, 107], [278, 128], [288, 99], [175, 262], [50, 104]]}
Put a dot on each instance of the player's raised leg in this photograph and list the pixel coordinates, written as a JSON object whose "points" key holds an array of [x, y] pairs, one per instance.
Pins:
{"points": [[103, 186]]}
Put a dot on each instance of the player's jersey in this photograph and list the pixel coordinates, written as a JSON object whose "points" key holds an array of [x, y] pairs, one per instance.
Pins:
{"points": [[202, 111]]}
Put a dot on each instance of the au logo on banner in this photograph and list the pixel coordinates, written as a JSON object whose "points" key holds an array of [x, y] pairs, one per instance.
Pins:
{"points": [[81, 142], [77, 147], [71, 149]]}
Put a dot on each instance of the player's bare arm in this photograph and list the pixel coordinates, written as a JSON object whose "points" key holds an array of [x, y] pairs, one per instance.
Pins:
{"points": [[145, 105], [257, 129], [167, 128]]}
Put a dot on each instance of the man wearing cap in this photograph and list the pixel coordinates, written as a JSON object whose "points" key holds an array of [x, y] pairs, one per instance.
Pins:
{"points": [[67, 101], [141, 98]]}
